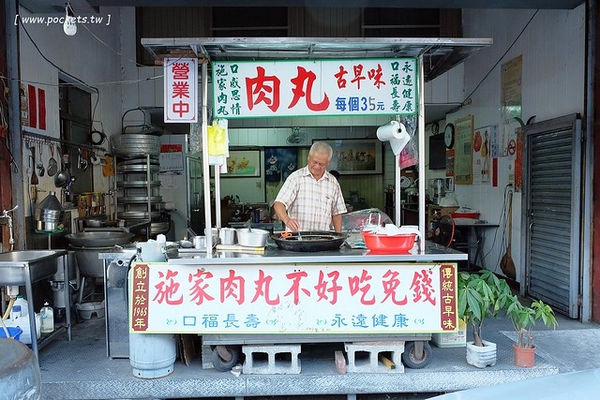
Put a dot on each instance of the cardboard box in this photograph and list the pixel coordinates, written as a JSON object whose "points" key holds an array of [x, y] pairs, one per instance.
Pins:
{"points": [[454, 339]]}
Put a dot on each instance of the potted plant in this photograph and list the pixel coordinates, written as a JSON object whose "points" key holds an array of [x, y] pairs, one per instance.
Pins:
{"points": [[524, 319], [481, 295]]}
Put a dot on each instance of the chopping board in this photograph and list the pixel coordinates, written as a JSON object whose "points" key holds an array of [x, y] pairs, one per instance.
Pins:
{"points": [[237, 248]]}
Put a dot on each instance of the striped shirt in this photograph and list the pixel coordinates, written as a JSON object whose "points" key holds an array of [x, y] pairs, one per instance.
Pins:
{"points": [[312, 203]]}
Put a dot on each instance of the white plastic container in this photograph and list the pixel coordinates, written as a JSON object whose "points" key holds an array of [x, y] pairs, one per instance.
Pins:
{"points": [[23, 323], [454, 339], [15, 312], [20, 301], [47, 318]]}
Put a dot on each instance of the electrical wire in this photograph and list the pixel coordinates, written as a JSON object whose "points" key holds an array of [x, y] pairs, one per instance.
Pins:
{"points": [[501, 57], [68, 84], [502, 222], [52, 63]]}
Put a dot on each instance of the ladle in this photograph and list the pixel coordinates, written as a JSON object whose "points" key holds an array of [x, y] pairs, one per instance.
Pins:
{"points": [[34, 178]]}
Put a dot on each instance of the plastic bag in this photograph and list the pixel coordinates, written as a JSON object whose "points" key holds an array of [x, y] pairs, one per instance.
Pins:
{"points": [[358, 220], [217, 140], [409, 156]]}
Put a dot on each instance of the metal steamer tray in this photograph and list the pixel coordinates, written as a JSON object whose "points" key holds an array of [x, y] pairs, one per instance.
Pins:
{"points": [[140, 199], [137, 168], [137, 214], [137, 184], [309, 241]]}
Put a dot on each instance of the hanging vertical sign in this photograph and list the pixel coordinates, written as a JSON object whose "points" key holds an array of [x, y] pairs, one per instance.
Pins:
{"points": [[181, 90], [317, 87]]}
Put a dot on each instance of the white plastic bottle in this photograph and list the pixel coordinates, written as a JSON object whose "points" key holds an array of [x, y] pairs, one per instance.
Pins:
{"points": [[15, 312], [47, 318], [20, 301]]}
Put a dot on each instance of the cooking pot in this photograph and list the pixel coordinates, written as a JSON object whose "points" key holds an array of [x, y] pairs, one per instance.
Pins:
{"points": [[252, 237], [309, 240], [227, 235]]}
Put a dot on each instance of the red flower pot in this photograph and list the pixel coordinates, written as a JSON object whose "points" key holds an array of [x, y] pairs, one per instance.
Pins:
{"points": [[524, 357]]}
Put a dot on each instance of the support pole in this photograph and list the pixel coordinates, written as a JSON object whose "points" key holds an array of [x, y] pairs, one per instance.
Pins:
{"points": [[18, 179], [397, 191], [205, 166], [421, 130], [217, 197]]}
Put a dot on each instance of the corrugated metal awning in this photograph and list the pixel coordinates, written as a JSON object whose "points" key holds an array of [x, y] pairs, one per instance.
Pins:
{"points": [[439, 54]]}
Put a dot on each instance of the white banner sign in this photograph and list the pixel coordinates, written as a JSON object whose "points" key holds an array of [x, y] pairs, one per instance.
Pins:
{"points": [[181, 90], [308, 299], [318, 87]]}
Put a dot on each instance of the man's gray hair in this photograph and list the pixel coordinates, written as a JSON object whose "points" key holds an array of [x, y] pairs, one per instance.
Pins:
{"points": [[321, 147]]}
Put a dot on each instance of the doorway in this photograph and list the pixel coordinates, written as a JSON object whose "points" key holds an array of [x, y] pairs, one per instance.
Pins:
{"points": [[551, 212]]}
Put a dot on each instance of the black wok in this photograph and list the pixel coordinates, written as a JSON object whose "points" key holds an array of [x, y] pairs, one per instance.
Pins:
{"points": [[309, 240]]}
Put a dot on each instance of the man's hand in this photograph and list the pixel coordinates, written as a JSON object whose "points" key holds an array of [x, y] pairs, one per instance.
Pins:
{"points": [[292, 224]]}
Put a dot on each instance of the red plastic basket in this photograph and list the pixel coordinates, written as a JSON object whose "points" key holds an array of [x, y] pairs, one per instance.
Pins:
{"points": [[389, 244]]}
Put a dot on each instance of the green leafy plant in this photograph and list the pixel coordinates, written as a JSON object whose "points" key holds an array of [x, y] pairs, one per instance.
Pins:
{"points": [[524, 319], [481, 295]]}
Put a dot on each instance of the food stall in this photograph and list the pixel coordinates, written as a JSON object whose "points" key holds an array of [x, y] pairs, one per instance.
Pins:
{"points": [[282, 296]]}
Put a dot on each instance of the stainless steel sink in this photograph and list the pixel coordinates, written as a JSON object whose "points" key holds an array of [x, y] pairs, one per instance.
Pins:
{"points": [[42, 264]]}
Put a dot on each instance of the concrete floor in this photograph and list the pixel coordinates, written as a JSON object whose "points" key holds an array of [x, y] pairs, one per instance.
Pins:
{"points": [[80, 369]]}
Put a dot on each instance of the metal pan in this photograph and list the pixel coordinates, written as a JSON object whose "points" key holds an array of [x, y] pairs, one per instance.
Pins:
{"points": [[309, 240]]}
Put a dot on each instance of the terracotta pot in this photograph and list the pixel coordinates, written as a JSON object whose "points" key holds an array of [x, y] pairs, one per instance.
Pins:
{"points": [[524, 357]]}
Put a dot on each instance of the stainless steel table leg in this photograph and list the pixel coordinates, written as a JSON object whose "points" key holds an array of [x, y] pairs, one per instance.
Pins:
{"points": [[67, 295], [31, 311], [81, 287]]}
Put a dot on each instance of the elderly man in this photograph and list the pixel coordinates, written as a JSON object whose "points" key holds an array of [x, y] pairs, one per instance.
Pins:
{"points": [[311, 198]]}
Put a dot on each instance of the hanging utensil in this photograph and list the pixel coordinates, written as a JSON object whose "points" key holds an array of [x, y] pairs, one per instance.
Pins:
{"points": [[506, 263], [52, 164], [82, 163], [60, 179], [40, 165], [34, 178]]}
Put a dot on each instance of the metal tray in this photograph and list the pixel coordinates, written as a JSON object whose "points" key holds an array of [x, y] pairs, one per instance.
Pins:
{"points": [[310, 241]]}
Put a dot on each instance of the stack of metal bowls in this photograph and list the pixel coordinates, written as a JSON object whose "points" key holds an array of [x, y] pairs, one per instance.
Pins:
{"points": [[48, 213]]}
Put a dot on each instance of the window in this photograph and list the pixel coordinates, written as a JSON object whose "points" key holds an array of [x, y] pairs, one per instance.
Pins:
{"points": [[75, 107], [401, 22]]}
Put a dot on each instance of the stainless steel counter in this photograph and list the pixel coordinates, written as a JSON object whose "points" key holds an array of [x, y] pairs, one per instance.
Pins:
{"points": [[433, 253], [24, 268]]}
